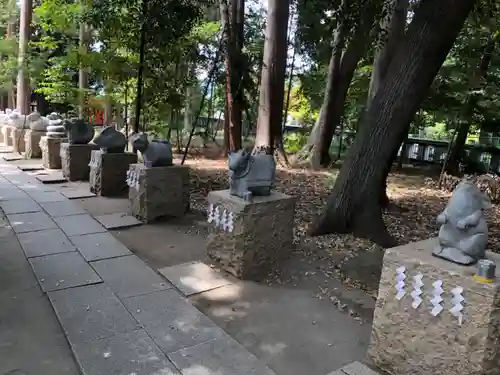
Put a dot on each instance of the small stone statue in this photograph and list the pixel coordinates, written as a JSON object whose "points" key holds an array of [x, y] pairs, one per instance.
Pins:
{"points": [[110, 140], [155, 153], [251, 173], [464, 233], [17, 120], [79, 131], [55, 128], [36, 122]]}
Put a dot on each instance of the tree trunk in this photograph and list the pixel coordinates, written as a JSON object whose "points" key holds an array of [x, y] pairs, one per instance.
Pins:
{"points": [[272, 84], [232, 21], [83, 74], [11, 94], [340, 73], [23, 81], [353, 205], [463, 130]]}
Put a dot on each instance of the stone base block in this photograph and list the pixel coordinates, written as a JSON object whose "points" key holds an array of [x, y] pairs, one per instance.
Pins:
{"points": [[75, 161], [108, 172], [2, 136], [408, 337], [159, 192], [250, 239], [17, 136], [7, 135], [32, 143], [51, 151]]}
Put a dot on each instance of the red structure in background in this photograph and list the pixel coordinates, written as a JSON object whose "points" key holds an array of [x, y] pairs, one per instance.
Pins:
{"points": [[97, 119]]}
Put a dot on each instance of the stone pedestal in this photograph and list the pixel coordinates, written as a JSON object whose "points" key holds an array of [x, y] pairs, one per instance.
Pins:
{"points": [[32, 143], [7, 135], [2, 136], [75, 161], [51, 151], [158, 192], [250, 239], [409, 339], [108, 172], [18, 140]]}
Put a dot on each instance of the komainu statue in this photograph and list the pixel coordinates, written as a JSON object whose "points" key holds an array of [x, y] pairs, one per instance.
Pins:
{"points": [[463, 235], [155, 153], [251, 173], [111, 140], [79, 131]]}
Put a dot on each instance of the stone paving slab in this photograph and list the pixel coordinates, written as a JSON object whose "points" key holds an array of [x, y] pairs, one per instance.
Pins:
{"points": [[171, 320], [45, 242], [78, 225], [91, 312], [52, 178], [20, 206], [194, 277], [129, 276], [47, 196], [31, 222], [99, 246], [12, 157], [357, 368], [62, 208], [30, 187], [77, 193], [132, 353], [61, 271], [30, 167], [118, 220], [9, 193], [221, 356]]}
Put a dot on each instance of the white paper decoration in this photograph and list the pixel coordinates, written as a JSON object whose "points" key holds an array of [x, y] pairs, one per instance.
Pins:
{"points": [[417, 290], [457, 300], [400, 282], [437, 299]]}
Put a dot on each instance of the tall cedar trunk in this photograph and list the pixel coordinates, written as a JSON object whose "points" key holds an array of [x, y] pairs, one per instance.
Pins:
{"points": [[392, 31], [471, 102], [231, 19], [83, 74], [353, 205], [23, 82], [11, 94], [272, 84]]}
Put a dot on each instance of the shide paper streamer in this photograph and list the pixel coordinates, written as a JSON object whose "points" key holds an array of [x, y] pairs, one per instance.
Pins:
{"points": [[437, 299], [457, 300], [224, 220], [417, 290], [400, 282]]}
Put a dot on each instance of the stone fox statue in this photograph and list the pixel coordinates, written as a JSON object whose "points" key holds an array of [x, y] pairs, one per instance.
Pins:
{"points": [[79, 131], [154, 153], [251, 174], [463, 235]]}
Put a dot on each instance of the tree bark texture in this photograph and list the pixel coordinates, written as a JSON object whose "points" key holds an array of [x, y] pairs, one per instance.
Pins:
{"points": [[272, 83], [233, 23], [353, 205], [83, 74], [23, 80], [11, 94], [463, 129]]}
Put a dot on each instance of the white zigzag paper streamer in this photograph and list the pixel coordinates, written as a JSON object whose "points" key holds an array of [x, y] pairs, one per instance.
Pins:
{"points": [[437, 299], [223, 220], [128, 179], [400, 283], [457, 300], [217, 216], [210, 216], [92, 161], [230, 222], [417, 290]]}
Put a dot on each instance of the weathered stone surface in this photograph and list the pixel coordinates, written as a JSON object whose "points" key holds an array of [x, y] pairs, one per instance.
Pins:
{"points": [[128, 353], [99, 246], [62, 271], [261, 238], [412, 341], [30, 167], [220, 356], [62, 208], [2, 136], [77, 225], [128, 276], [7, 135], [75, 160], [194, 277], [46, 196], [31, 222], [108, 175], [13, 157], [117, 220], [51, 178], [77, 193], [162, 192], [171, 320], [358, 368], [17, 136], [91, 312], [51, 151], [45, 242], [19, 206], [32, 140], [9, 193]]}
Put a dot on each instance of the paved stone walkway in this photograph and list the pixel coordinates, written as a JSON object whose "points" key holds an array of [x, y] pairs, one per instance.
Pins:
{"points": [[118, 315]]}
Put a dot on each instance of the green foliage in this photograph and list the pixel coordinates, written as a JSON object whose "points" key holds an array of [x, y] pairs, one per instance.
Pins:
{"points": [[293, 142]]}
